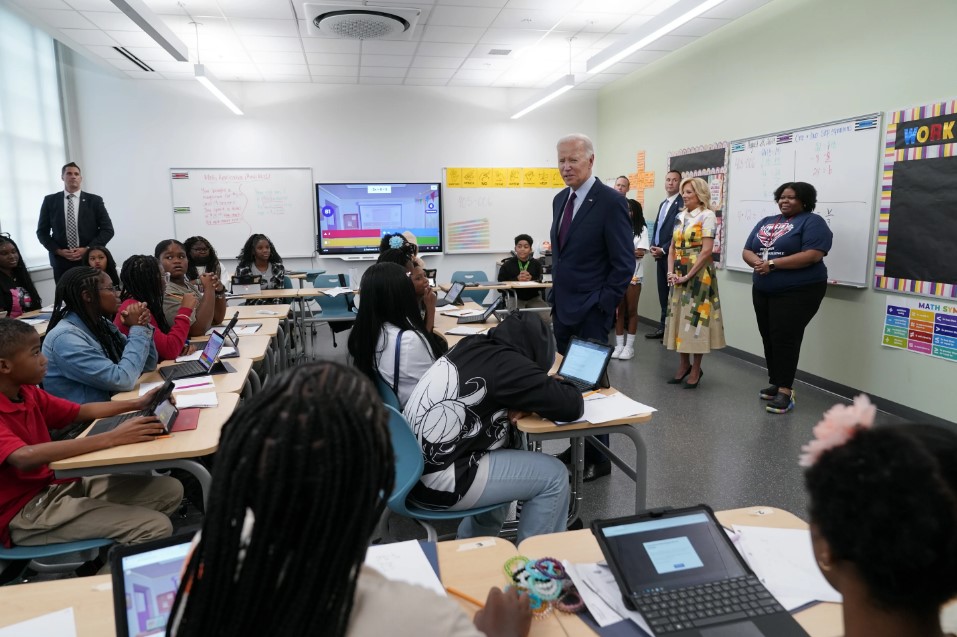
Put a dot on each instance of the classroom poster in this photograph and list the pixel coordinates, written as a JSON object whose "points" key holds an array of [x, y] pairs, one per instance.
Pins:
{"points": [[503, 178], [924, 326], [710, 162], [918, 221]]}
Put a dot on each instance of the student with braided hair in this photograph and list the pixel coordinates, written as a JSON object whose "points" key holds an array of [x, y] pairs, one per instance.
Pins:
{"points": [[884, 520], [89, 359], [303, 470], [144, 281], [211, 307], [18, 294]]}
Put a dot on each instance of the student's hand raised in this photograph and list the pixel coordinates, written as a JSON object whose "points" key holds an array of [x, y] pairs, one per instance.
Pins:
{"points": [[134, 313], [141, 429], [189, 301], [506, 614]]}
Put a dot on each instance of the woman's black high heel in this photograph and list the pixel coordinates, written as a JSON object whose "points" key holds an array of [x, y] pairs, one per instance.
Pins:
{"points": [[694, 385], [677, 381]]}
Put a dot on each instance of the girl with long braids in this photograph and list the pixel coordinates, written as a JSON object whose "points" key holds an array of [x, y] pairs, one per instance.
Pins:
{"points": [[17, 292], [302, 473], [88, 358], [260, 258], [144, 281], [211, 307]]}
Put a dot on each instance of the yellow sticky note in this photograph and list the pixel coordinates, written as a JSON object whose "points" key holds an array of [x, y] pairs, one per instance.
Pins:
{"points": [[557, 181], [469, 178], [484, 177], [514, 177], [529, 178], [544, 178], [453, 177], [499, 178]]}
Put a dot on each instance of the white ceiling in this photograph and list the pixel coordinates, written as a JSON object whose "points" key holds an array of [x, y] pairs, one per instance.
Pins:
{"points": [[268, 40]]}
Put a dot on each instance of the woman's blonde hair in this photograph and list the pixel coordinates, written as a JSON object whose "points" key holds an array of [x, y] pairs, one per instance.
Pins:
{"points": [[701, 190]]}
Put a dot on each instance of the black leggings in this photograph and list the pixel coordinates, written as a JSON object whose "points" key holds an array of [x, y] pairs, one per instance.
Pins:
{"points": [[782, 318]]}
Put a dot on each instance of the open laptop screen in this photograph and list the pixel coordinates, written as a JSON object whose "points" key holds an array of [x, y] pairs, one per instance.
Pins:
{"points": [[670, 552], [211, 351], [585, 361], [149, 580]]}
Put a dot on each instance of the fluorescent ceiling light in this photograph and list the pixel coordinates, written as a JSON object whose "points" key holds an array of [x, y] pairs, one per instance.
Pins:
{"points": [[154, 27], [662, 24], [210, 83], [566, 83]]}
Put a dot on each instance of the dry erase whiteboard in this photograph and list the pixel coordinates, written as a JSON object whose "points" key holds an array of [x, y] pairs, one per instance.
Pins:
{"points": [[840, 160], [227, 205]]}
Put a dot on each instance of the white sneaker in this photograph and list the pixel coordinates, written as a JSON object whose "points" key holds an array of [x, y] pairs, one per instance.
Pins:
{"points": [[617, 351], [626, 353]]}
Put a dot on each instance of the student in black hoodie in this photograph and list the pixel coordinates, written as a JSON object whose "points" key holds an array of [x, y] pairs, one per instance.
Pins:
{"points": [[461, 411]]}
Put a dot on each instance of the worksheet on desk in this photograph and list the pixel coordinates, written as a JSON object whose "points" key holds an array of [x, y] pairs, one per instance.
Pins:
{"points": [[60, 623], [602, 408]]}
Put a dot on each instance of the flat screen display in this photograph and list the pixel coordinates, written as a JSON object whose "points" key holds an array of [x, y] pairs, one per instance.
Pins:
{"points": [[353, 218]]}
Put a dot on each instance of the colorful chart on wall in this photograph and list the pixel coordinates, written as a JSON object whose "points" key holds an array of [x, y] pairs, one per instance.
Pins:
{"points": [[918, 218], [711, 164], [485, 208], [227, 205], [839, 159], [928, 327]]}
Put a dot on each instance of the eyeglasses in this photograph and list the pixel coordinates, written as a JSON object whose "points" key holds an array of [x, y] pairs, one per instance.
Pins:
{"points": [[115, 289]]}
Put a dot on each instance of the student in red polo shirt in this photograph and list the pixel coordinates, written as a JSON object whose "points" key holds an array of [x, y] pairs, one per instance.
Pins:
{"points": [[37, 509]]}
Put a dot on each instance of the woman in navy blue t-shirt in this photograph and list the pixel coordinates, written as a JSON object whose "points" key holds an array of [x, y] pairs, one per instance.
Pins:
{"points": [[787, 254]]}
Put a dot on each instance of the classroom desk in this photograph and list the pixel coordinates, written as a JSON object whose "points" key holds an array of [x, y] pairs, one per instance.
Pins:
{"points": [[175, 451], [41, 328], [301, 276], [271, 327], [508, 289], [232, 383], [253, 312], [538, 429], [444, 323], [298, 296]]}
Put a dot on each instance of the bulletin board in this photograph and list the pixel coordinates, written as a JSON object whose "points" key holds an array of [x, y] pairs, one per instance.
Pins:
{"points": [[709, 162], [918, 217]]}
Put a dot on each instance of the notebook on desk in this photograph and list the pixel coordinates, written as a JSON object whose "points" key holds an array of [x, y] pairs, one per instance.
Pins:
{"points": [[145, 579], [679, 569], [585, 364]]}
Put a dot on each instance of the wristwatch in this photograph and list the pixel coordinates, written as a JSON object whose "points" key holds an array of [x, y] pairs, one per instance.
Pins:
{"points": [[771, 265]]}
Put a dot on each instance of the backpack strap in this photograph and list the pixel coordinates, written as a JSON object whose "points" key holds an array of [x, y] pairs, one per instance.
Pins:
{"points": [[395, 373]]}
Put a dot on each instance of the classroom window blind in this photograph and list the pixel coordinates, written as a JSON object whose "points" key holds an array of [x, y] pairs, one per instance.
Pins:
{"points": [[32, 144]]}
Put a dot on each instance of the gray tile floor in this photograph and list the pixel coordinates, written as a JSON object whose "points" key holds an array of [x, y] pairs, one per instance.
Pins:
{"points": [[715, 444]]}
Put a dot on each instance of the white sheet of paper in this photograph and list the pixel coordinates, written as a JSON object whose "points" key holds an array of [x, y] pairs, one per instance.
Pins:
{"points": [[404, 562], [784, 561], [60, 623], [267, 312], [337, 291], [524, 283], [199, 399], [34, 321], [601, 612], [465, 330], [462, 312], [47, 308], [600, 408], [241, 329], [225, 351], [183, 384], [600, 579]]}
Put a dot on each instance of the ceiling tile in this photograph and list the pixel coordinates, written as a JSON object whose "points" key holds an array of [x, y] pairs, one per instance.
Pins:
{"points": [[731, 9], [283, 69], [325, 79], [473, 3], [465, 82], [197, 8], [425, 62], [525, 5], [594, 22], [464, 35], [381, 71], [93, 5], [424, 81], [178, 76], [644, 57], [380, 80], [265, 43], [171, 66], [278, 57], [111, 21], [123, 64], [386, 60], [513, 37], [462, 16], [329, 45], [105, 52], [333, 71], [279, 28], [230, 70], [610, 6], [541, 18], [443, 74], [258, 9], [131, 38], [486, 64], [444, 49], [633, 23], [387, 47], [473, 74], [150, 54], [89, 36], [50, 4], [289, 79], [144, 75], [669, 43], [64, 19], [700, 27], [332, 59]]}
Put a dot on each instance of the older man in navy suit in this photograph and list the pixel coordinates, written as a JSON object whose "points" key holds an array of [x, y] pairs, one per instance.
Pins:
{"points": [[592, 259], [661, 242], [71, 221]]}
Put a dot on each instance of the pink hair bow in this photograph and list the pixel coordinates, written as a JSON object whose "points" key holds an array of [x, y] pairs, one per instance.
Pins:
{"points": [[839, 425]]}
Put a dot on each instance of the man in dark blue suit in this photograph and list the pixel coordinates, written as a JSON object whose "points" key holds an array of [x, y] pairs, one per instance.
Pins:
{"points": [[592, 259], [661, 242], [71, 221]]}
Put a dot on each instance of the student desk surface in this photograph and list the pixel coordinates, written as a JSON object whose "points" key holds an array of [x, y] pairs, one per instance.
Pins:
{"points": [[253, 312], [444, 323], [472, 566], [175, 450], [231, 383]]}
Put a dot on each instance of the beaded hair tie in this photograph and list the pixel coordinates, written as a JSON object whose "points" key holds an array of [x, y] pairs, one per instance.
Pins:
{"points": [[546, 582]]}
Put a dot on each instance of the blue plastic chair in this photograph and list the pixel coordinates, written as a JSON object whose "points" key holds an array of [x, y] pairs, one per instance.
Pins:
{"points": [[472, 276], [408, 470], [386, 394], [86, 549], [334, 309]]}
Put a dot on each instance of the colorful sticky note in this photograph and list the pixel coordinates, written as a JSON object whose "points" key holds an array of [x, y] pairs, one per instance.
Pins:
{"points": [[484, 177], [514, 177], [453, 177], [529, 178], [557, 181], [469, 178], [499, 178]]}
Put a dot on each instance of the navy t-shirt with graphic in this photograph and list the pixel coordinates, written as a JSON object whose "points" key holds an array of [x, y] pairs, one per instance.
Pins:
{"points": [[783, 236]]}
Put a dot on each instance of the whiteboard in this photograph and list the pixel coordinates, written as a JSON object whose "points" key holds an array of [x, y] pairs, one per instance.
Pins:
{"points": [[839, 159], [482, 220], [227, 205]]}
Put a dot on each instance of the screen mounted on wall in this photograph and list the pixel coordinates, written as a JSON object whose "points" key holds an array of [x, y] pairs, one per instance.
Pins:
{"points": [[353, 218]]}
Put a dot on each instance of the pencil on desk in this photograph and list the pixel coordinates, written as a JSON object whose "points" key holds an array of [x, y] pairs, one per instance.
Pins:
{"points": [[468, 598]]}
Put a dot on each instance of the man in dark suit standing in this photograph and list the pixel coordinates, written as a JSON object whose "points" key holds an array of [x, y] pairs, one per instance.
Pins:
{"points": [[592, 259], [661, 242], [71, 221]]}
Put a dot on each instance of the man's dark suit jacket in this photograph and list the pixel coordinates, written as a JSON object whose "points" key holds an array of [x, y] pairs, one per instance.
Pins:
{"points": [[93, 225], [667, 224], [597, 262]]}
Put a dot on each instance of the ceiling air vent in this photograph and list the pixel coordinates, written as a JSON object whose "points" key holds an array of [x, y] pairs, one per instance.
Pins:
{"points": [[361, 22], [132, 58], [499, 51]]}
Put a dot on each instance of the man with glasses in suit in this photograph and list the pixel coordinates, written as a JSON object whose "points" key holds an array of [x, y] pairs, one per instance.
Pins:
{"points": [[71, 221]]}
